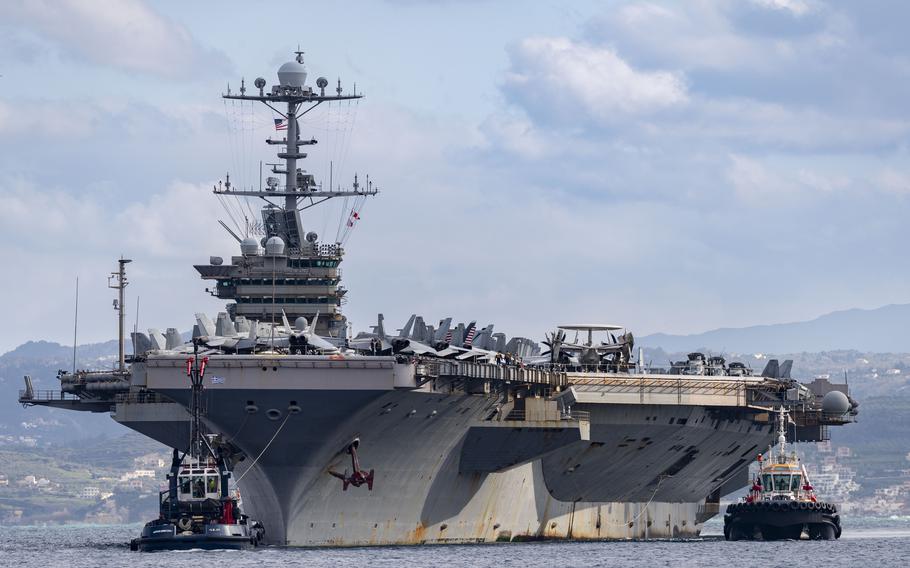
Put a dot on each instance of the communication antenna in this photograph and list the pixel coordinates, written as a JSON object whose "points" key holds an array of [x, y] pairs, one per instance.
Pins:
{"points": [[117, 280], [136, 325], [75, 325]]}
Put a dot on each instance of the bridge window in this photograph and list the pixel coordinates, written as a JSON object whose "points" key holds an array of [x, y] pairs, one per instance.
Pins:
{"points": [[185, 485], [781, 482], [211, 484], [198, 487]]}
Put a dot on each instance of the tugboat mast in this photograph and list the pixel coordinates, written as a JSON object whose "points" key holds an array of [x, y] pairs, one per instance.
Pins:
{"points": [[782, 419], [195, 371]]}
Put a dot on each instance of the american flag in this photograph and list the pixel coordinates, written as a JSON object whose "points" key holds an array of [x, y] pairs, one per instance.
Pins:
{"points": [[469, 336], [280, 124]]}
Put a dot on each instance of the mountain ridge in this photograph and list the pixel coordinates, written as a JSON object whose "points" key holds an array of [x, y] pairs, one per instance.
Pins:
{"points": [[885, 329]]}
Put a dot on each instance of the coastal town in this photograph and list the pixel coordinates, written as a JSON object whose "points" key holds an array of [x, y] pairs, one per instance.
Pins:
{"points": [[45, 485]]}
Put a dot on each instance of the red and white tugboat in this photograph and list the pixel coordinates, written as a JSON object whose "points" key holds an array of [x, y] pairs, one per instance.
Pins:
{"points": [[781, 504]]}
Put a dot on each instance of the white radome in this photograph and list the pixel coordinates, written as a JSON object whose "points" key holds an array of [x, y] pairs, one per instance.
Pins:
{"points": [[292, 74], [274, 246], [249, 247], [835, 402]]}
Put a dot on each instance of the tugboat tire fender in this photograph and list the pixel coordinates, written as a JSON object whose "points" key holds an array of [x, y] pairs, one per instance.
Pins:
{"points": [[184, 523], [794, 505]]}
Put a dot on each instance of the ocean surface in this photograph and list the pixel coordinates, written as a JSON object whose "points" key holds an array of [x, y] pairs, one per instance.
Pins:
{"points": [[869, 543]]}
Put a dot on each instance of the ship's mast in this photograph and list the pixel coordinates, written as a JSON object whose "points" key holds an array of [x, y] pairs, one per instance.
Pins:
{"points": [[298, 99], [117, 280]]}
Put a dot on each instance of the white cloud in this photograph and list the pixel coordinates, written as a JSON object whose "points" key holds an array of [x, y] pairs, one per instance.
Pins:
{"points": [[161, 225], [32, 118], [824, 183], [751, 123], [795, 7], [762, 37], [516, 134], [596, 80], [644, 14], [759, 182], [755, 183], [124, 34], [50, 236], [694, 36], [894, 182]]}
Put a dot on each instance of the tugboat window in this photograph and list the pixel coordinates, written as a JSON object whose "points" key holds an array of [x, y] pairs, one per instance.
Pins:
{"points": [[794, 483], [766, 482], [781, 482], [198, 487], [184, 484]]}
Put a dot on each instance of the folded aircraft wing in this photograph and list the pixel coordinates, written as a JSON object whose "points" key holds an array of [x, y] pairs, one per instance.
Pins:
{"points": [[418, 348]]}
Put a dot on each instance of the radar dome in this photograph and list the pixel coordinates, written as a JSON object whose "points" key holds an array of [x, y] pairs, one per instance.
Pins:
{"points": [[835, 402], [249, 247], [292, 74], [274, 246], [301, 323]]}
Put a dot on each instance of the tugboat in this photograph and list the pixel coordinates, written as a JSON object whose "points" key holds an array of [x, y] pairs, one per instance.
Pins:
{"points": [[781, 503], [197, 510]]}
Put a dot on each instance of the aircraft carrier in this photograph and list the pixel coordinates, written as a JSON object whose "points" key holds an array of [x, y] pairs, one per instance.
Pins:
{"points": [[464, 434]]}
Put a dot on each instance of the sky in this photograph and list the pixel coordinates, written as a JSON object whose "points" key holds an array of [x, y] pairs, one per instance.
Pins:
{"points": [[667, 166]]}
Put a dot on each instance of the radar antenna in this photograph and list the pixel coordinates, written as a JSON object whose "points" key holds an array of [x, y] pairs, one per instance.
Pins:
{"points": [[297, 99]]}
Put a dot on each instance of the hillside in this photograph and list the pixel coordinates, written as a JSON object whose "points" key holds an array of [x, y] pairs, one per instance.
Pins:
{"points": [[881, 330]]}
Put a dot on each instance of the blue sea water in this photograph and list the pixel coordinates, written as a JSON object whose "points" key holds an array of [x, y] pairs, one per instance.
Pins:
{"points": [[870, 543]]}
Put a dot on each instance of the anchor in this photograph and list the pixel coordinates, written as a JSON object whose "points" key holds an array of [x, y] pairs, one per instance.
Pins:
{"points": [[359, 476]]}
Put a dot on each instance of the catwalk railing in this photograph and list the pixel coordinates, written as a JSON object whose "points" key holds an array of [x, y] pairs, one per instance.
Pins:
{"points": [[618, 387], [46, 396]]}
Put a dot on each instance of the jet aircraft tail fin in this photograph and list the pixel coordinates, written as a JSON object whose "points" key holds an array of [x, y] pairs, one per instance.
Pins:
{"points": [[206, 327]]}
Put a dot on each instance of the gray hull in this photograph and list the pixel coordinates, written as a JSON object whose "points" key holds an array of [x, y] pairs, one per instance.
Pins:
{"points": [[637, 476]]}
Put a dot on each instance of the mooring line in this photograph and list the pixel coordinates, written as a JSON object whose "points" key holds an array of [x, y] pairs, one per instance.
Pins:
{"points": [[265, 448]]}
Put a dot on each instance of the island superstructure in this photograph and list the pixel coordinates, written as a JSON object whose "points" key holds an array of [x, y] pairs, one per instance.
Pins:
{"points": [[299, 275], [464, 435]]}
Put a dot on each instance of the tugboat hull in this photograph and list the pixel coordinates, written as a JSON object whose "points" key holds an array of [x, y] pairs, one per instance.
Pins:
{"points": [[165, 536], [782, 520]]}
